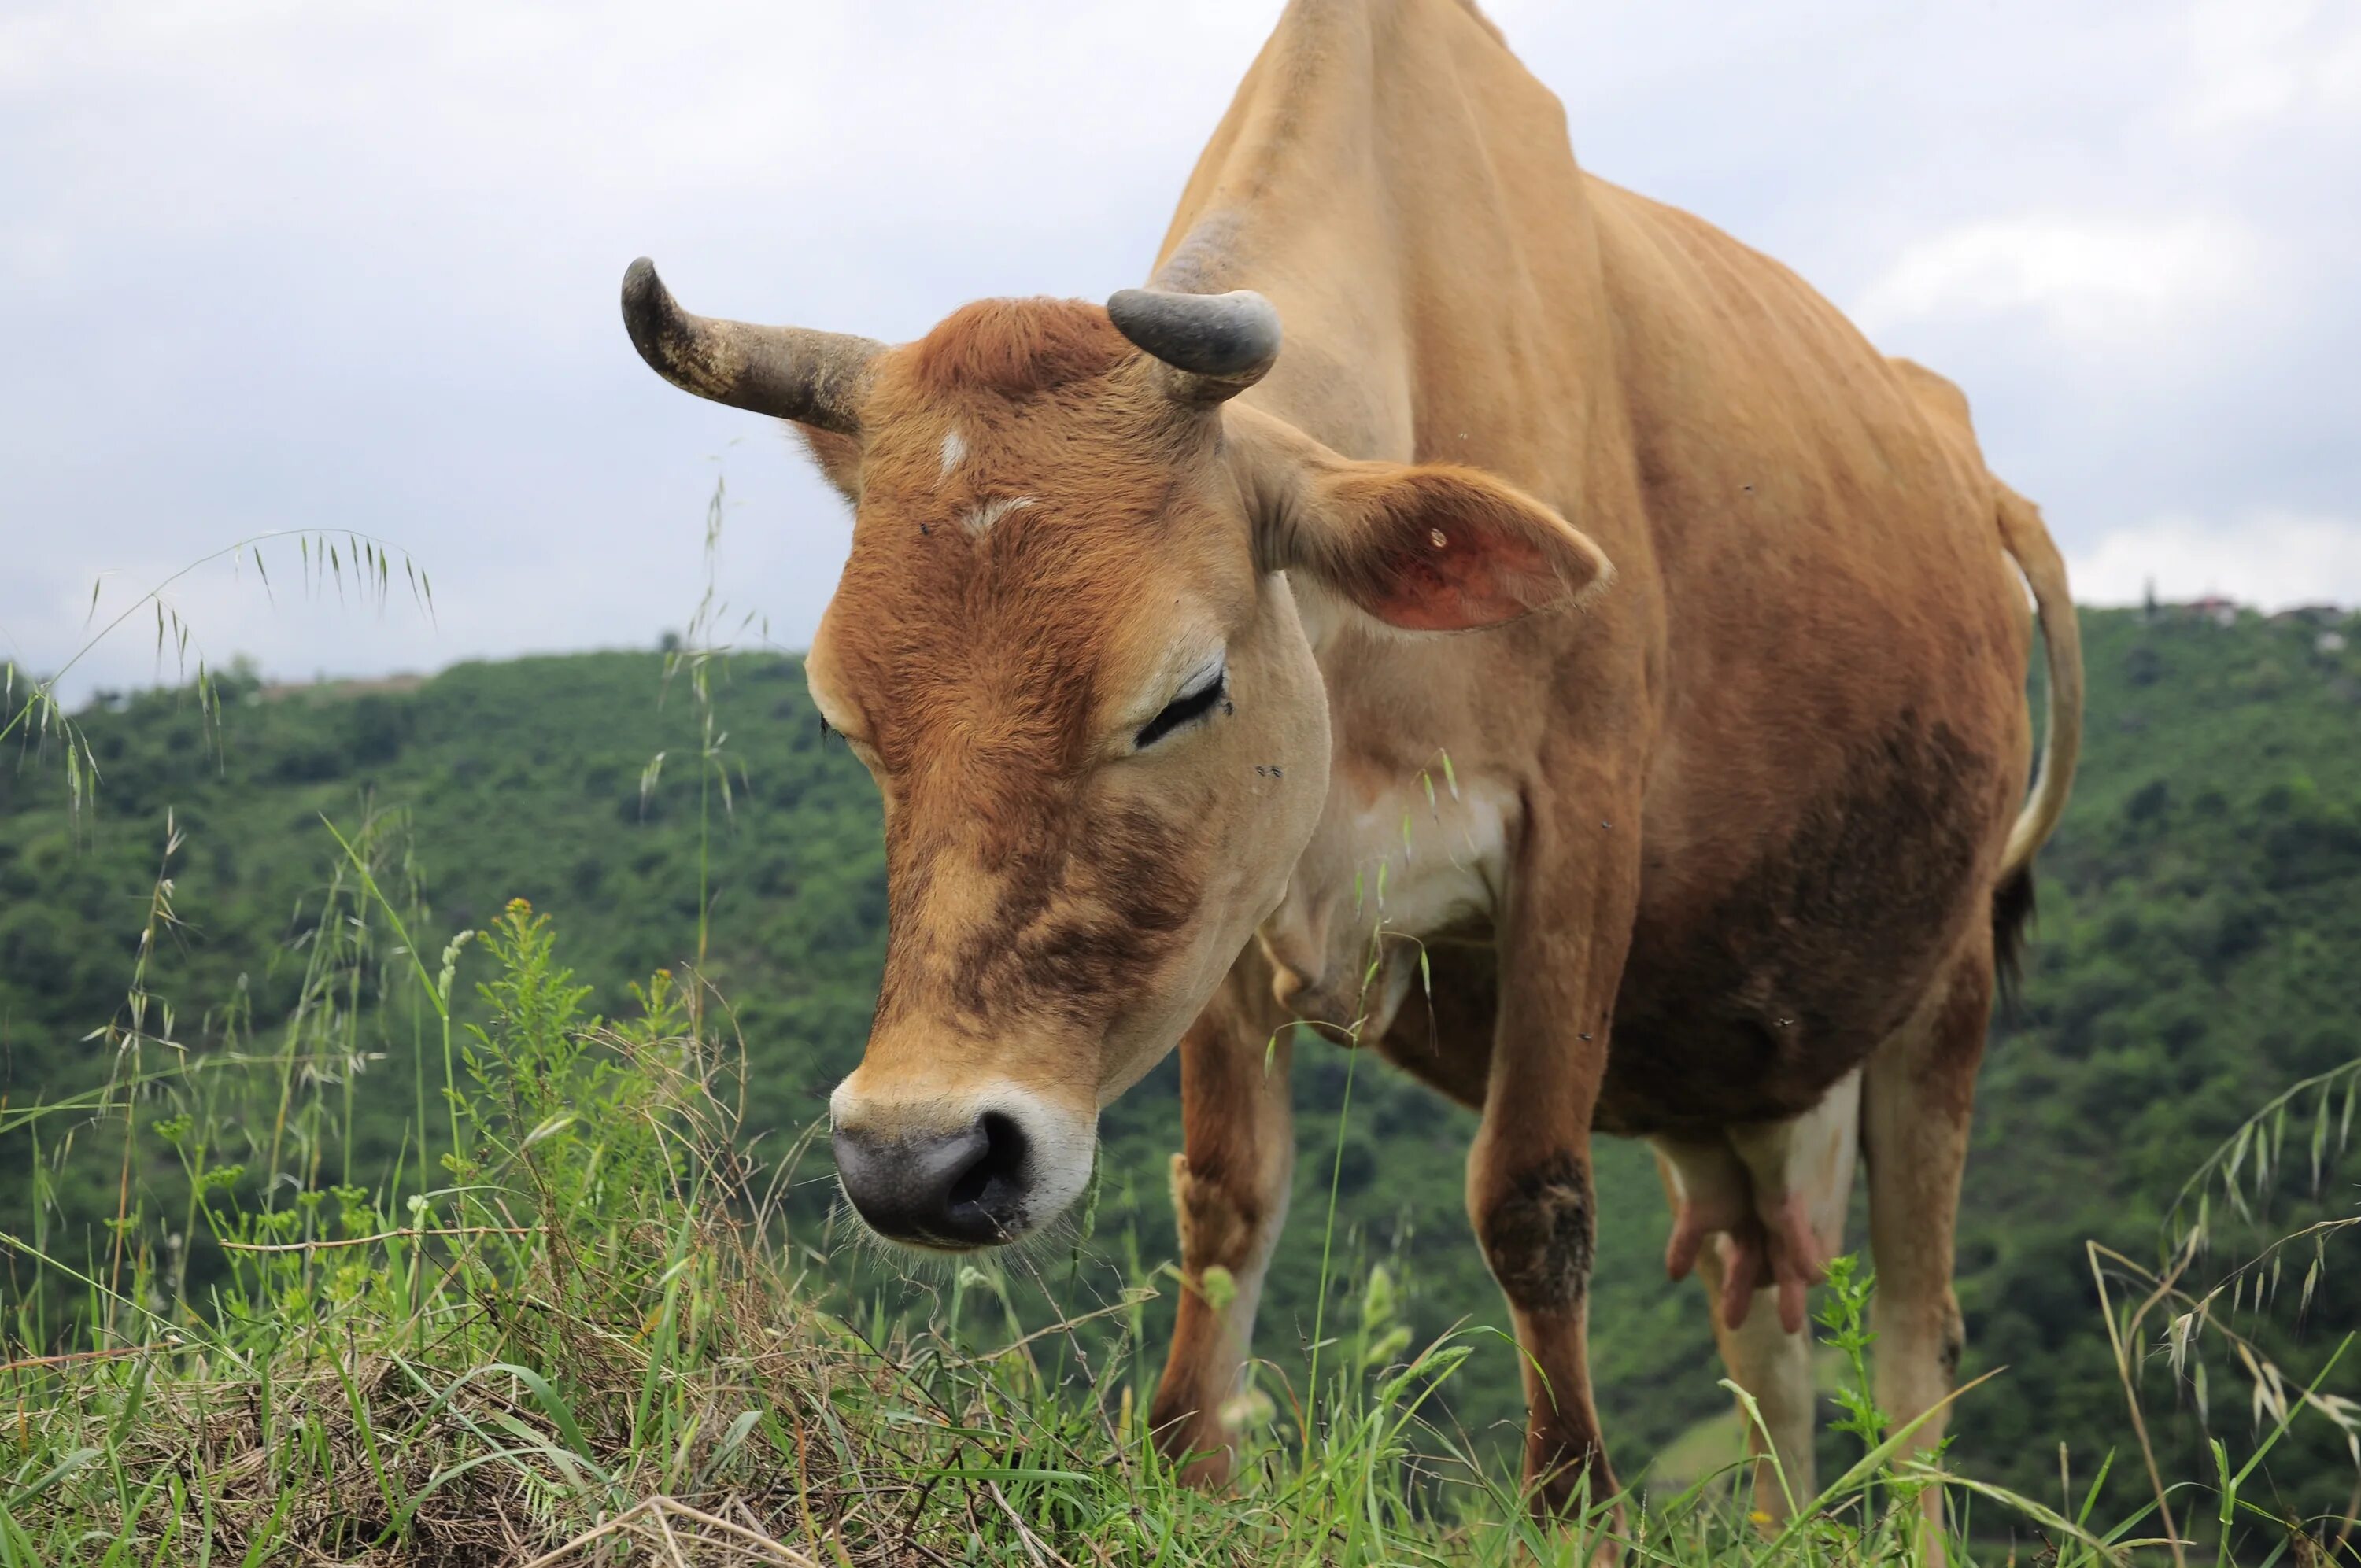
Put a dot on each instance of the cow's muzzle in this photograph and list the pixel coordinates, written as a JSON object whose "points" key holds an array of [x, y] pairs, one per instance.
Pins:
{"points": [[950, 1190]]}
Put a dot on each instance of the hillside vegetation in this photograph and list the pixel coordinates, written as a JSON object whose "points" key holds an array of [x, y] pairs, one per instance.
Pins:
{"points": [[2199, 942]]}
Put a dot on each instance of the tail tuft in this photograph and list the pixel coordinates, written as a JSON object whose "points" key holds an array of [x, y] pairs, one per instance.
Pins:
{"points": [[2012, 918]]}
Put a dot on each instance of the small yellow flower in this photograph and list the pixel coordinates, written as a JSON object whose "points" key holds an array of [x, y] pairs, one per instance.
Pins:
{"points": [[1759, 1517]]}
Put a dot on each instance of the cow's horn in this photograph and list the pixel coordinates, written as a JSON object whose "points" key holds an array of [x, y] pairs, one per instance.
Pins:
{"points": [[1216, 345], [789, 372]]}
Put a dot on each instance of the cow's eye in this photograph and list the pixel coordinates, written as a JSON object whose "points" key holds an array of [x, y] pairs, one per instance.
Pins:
{"points": [[1202, 695]]}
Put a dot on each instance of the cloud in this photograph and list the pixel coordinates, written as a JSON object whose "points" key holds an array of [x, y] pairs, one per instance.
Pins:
{"points": [[2088, 277], [2261, 62], [2263, 558]]}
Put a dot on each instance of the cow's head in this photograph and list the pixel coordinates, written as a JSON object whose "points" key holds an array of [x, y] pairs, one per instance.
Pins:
{"points": [[1065, 648]]}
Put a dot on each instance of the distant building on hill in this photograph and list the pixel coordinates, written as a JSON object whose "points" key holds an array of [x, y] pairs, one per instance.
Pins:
{"points": [[2219, 609], [325, 690]]}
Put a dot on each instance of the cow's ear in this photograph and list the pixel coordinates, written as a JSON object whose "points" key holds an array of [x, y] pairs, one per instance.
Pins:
{"points": [[1425, 547], [839, 457]]}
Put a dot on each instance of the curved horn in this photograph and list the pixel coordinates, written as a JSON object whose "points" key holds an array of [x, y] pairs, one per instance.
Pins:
{"points": [[788, 372], [1215, 346]]}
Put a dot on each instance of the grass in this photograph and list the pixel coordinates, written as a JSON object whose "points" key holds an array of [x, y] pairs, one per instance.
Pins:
{"points": [[573, 1324], [585, 1334], [594, 1307]]}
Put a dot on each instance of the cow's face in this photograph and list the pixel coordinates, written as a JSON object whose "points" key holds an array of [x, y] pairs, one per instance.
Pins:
{"points": [[1066, 648]]}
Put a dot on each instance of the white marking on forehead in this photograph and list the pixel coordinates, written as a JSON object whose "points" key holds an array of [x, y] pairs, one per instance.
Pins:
{"points": [[990, 512], [954, 451]]}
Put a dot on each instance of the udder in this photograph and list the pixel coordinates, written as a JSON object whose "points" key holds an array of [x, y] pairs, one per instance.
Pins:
{"points": [[1770, 1196]]}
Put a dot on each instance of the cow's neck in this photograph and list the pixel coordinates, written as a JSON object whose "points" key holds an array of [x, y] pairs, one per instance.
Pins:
{"points": [[1399, 185], [1401, 189]]}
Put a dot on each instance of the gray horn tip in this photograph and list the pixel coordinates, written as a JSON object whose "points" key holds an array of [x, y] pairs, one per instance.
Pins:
{"points": [[660, 329], [646, 301], [1225, 336], [642, 286]]}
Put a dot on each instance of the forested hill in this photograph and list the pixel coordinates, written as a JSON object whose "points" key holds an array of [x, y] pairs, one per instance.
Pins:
{"points": [[2198, 950]]}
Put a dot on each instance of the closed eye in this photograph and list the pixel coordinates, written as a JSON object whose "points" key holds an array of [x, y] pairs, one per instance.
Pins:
{"points": [[1186, 709]]}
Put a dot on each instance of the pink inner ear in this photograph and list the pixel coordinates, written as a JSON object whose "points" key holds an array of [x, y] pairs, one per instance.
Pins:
{"points": [[1477, 576]]}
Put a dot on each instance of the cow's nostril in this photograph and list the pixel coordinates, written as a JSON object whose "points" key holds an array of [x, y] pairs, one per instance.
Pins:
{"points": [[956, 1189], [998, 1173]]}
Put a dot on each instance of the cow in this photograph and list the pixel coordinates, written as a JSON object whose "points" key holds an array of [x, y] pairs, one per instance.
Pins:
{"points": [[1688, 633]]}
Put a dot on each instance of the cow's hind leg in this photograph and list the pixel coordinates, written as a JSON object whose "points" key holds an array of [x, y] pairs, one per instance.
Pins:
{"points": [[1229, 1195], [1916, 1104]]}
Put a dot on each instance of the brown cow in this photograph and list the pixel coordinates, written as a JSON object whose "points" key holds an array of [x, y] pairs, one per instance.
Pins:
{"points": [[1153, 636]]}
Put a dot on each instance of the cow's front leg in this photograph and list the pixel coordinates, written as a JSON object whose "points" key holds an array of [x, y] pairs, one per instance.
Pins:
{"points": [[1229, 1195], [1529, 1187]]}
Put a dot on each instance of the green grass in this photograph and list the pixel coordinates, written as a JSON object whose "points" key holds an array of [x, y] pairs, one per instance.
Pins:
{"points": [[589, 1330], [590, 1333]]}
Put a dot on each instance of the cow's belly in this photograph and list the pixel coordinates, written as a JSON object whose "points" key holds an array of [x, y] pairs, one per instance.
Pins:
{"points": [[1689, 1074], [1746, 1001]]}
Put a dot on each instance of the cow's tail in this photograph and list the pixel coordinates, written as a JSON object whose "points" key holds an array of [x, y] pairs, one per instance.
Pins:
{"points": [[2028, 542]]}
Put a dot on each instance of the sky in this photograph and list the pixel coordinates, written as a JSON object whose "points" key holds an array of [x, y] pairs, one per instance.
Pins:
{"points": [[267, 266]]}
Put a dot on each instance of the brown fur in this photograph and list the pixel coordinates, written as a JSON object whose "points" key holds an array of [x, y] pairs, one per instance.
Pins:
{"points": [[1445, 1040], [1017, 348], [1085, 918], [838, 457], [1814, 956]]}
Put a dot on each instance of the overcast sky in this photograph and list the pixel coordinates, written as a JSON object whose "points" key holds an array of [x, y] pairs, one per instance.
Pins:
{"points": [[272, 265]]}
